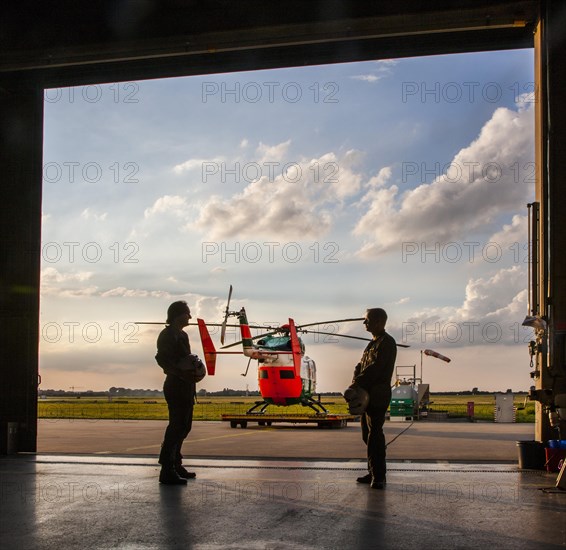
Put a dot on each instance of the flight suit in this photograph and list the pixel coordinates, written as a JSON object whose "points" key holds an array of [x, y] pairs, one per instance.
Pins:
{"points": [[173, 346], [374, 373]]}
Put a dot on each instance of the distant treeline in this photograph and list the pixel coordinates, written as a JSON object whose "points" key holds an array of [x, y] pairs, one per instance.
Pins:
{"points": [[226, 392], [136, 392], [475, 391], [113, 392]]}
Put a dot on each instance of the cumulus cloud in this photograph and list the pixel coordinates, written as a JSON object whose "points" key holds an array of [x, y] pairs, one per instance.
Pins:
{"points": [[88, 214], [383, 176], [209, 308], [50, 275], [489, 177], [168, 204], [367, 77], [380, 69], [290, 199], [491, 313], [123, 292], [57, 283], [273, 153], [73, 285], [83, 292], [489, 297], [193, 164], [512, 234], [256, 211]]}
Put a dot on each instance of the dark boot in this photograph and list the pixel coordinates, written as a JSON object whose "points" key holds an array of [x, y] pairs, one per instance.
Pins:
{"points": [[365, 479], [378, 483], [168, 476], [183, 473]]}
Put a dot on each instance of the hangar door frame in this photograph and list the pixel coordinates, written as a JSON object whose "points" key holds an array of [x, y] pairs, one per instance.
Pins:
{"points": [[23, 80]]}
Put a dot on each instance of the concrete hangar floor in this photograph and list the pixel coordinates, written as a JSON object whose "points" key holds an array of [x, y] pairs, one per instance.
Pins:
{"points": [[107, 500]]}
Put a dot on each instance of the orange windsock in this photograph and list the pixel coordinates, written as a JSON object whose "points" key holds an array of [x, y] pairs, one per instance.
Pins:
{"points": [[437, 355]]}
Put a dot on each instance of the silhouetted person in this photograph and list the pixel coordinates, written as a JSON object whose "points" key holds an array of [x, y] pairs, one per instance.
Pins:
{"points": [[373, 373], [174, 356]]}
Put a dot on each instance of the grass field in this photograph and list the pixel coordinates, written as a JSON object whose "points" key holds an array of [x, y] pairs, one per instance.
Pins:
{"points": [[211, 408]]}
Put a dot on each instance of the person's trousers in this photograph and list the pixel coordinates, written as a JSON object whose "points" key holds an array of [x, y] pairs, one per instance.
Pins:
{"points": [[374, 438], [180, 397]]}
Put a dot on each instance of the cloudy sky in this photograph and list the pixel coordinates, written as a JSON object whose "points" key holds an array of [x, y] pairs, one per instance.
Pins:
{"points": [[316, 192]]}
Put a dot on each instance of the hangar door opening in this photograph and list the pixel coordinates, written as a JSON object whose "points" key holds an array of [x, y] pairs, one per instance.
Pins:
{"points": [[316, 192]]}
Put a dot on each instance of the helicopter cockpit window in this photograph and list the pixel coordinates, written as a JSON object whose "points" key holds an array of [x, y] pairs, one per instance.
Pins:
{"points": [[277, 343], [287, 374]]}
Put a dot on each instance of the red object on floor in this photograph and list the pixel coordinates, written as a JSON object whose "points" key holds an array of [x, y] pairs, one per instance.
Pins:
{"points": [[553, 458]]}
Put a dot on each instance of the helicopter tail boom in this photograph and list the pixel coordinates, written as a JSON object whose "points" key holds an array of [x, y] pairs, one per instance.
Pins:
{"points": [[247, 340], [295, 347]]}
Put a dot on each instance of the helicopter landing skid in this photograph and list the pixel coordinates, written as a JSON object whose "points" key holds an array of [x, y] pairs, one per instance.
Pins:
{"points": [[262, 404], [316, 406]]}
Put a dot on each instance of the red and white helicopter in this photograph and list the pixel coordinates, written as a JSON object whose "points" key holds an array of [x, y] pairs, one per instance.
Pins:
{"points": [[286, 375]]}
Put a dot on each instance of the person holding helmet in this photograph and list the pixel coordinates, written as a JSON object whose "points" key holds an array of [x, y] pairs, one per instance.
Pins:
{"points": [[373, 374], [357, 399], [182, 370]]}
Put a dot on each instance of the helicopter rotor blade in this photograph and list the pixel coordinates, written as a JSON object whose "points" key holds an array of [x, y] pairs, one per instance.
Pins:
{"points": [[333, 334], [276, 330], [273, 332], [330, 322], [346, 336], [301, 330], [163, 323], [190, 324], [226, 313], [253, 326]]}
